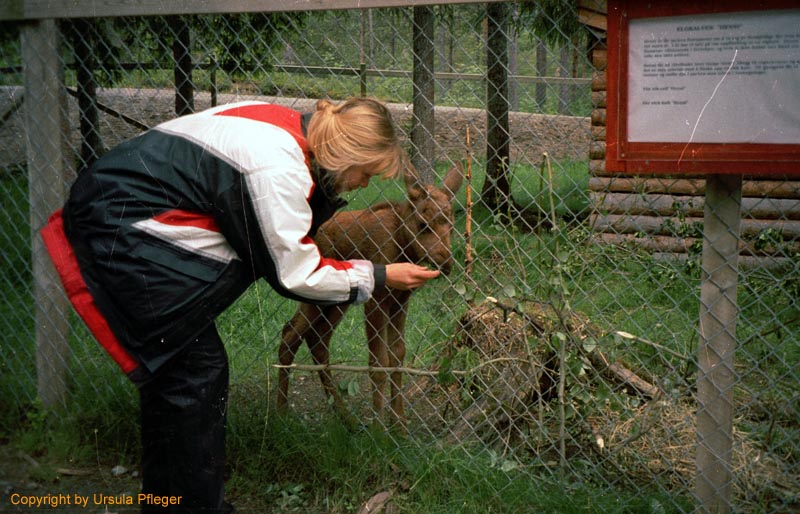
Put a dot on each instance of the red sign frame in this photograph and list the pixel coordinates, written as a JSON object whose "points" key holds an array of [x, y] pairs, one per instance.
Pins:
{"points": [[633, 157]]}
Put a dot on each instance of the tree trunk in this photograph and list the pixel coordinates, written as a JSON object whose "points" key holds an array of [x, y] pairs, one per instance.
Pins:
{"points": [[83, 40], [564, 66], [541, 71], [181, 44], [423, 128], [513, 61], [496, 193]]}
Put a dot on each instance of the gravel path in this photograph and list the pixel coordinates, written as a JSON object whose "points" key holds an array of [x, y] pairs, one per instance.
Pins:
{"points": [[563, 137]]}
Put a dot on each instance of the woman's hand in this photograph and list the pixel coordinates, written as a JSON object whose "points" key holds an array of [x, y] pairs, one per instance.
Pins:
{"points": [[407, 276]]}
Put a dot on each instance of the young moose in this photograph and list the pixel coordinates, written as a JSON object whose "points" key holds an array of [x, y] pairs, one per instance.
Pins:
{"points": [[416, 230]]}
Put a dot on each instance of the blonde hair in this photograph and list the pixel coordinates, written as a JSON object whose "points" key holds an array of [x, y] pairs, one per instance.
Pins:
{"points": [[357, 132]]}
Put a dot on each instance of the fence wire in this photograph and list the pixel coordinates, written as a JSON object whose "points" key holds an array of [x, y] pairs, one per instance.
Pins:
{"points": [[564, 343]]}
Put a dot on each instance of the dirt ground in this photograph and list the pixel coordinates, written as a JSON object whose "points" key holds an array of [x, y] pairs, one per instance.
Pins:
{"points": [[58, 485], [24, 481]]}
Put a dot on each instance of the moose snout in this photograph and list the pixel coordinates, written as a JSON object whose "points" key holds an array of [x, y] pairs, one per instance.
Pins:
{"points": [[441, 258], [446, 266]]}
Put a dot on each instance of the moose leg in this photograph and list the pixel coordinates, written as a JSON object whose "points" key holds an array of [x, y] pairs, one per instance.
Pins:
{"points": [[318, 339], [396, 346], [291, 338], [294, 331], [376, 320]]}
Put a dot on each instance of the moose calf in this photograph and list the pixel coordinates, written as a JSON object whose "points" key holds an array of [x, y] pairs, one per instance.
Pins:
{"points": [[416, 230]]}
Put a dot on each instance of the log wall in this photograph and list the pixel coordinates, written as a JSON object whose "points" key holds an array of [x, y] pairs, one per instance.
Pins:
{"points": [[664, 213]]}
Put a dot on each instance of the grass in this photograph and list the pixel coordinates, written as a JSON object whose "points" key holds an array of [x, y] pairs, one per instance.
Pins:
{"points": [[291, 464]]}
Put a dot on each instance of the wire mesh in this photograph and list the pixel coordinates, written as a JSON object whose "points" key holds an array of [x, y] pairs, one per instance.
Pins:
{"points": [[564, 341]]}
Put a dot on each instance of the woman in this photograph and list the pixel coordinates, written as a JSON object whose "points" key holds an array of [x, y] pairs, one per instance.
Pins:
{"points": [[167, 230]]}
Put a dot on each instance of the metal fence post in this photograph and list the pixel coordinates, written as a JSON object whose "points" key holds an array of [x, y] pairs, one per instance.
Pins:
{"points": [[716, 374], [46, 157]]}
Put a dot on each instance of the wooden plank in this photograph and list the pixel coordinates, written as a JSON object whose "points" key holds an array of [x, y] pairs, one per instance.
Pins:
{"points": [[47, 154], [716, 374], [43, 9]]}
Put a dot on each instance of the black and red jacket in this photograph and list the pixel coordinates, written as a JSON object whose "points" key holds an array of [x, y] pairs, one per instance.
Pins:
{"points": [[168, 229]]}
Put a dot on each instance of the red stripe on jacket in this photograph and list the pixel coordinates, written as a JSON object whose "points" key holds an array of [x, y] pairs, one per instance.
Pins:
{"points": [[63, 257], [283, 117], [179, 218]]}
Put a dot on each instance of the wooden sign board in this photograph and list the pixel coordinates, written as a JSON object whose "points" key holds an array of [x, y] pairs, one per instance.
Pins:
{"points": [[703, 87]]}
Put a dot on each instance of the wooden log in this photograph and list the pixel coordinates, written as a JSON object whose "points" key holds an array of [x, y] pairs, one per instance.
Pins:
{"points": [[597, 166], [593, 19], [691, 186], [600, 59], [599, 117], [774, 264], [622, 375], [655, 243], [599, 6], [623, 224], [680, 186], [599, 81], [599, 134], [668, 205], [599, 99], [597, 150], [670, 244]]}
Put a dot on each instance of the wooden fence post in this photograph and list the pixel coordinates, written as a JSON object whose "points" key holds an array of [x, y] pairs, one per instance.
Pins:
{"points": [[716, 374], [48, 172]]}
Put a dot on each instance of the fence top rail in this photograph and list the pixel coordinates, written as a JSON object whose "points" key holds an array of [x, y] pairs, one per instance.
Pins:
{"points": [[18, 10]]}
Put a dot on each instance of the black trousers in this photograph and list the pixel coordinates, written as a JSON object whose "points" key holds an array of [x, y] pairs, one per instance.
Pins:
{"points": [[183, 412]]}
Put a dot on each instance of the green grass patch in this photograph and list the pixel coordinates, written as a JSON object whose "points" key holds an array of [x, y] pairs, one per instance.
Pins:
{"points": [[291, 464]]}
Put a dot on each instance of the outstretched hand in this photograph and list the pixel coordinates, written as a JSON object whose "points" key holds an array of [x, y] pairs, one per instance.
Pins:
{"points": [[407, 276]]}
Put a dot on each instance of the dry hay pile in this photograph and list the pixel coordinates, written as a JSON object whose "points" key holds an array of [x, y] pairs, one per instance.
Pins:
{"points": [[512, 354], [659, 439], [513, 364]]}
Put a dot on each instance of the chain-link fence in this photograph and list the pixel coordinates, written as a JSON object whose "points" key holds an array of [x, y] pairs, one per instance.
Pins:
{"points": [[564, 343]]}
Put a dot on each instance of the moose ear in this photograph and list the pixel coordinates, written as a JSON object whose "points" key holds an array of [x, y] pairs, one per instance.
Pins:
{"points": [[411, 178], [452, 181]]}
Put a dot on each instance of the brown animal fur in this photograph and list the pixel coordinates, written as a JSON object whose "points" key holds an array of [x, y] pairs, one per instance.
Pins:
{"points": [[416, 230]]}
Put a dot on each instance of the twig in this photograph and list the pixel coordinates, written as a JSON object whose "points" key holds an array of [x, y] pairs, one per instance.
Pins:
{"points": [[657, 346], [400, 369], [562, 348], [468, 232]]}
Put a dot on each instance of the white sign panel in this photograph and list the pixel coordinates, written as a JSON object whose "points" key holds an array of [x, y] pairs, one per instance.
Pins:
{"points": [[715, 78]]}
